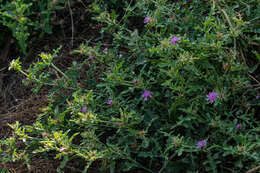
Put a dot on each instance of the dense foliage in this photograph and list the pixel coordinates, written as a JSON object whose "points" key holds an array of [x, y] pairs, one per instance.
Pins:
{"points": [[24, 17], [176, 90]]}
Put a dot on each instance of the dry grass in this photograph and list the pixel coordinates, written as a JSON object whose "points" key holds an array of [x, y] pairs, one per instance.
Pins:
{"points": [[25, 112], [36, 166]]}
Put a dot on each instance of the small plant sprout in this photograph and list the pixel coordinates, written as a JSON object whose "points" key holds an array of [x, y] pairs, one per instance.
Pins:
{"points": [[16, 65], [45, 57]]}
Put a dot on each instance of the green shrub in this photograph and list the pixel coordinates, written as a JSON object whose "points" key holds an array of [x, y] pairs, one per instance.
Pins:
{"points": [[23, 17], [172, 94]]}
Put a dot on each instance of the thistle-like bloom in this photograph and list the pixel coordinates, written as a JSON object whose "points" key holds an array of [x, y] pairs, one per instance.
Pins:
{"points": [[147, 94], [91, 57], [83, 109], [174, 40], [201, 144], [63, 149], [212, 96], [110, 101], [239, 126], [146, 19], [134, 81], [15, 64], [45, 56]]}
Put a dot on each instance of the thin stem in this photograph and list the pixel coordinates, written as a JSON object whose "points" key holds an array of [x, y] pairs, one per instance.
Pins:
{"points": [[253, 78], [229, 23], [166, 162], [72, 23], [83, 4], [56, 68], [125, 156], [126, 11], [44, 83], [21, 71], [254, 169]]}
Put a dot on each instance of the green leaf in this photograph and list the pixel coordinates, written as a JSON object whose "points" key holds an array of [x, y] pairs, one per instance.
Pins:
{"points": [[58, 7], [127, 166], [178, 101]]}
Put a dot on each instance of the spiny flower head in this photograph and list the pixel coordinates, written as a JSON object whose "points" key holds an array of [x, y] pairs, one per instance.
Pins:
{"points": [[110, 101], [146, 94], [239, 126], [201, 144], [83, 109], [15, 64], [212, 96], [146, 19], [174, 40]]}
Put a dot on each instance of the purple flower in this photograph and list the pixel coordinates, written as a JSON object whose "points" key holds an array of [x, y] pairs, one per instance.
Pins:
{"points": [[201, 144], [174, 40], [91, 57], [110, 101], [134, 81], [63, 149], [146, 94], [257, 97], [84, 109], [212, 96], [146, 19], [239, 126]]}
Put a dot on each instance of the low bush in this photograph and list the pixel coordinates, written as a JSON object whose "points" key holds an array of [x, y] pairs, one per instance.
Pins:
{"points": [[23, 17], [174, 91]]}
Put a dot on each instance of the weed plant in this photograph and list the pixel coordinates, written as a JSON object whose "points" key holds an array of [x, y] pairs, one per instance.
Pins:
{"points": [[24, 17], [177, 91]]}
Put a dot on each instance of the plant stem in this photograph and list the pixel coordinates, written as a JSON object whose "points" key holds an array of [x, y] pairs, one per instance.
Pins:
{"points": [[229, 23], [125, 156], [166, 162], [21, 71], [56, 68], [72, 23], [254, 169]]}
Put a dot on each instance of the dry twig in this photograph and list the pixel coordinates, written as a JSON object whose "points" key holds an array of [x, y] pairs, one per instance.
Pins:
{"points": [[254, 169]]}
